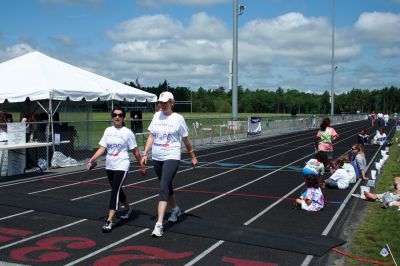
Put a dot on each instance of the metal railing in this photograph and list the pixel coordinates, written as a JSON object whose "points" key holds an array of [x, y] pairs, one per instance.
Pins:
{"points": [[76, 141]]}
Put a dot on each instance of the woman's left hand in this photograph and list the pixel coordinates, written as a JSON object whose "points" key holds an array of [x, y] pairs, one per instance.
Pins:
{"points": [[143, 169]]}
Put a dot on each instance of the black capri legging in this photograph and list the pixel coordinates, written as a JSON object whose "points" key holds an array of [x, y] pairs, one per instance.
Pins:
{"points": [[165, 171], [116, 179]]}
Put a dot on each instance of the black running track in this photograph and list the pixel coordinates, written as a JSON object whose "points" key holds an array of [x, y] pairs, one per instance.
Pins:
{"points": [[238, 210]]}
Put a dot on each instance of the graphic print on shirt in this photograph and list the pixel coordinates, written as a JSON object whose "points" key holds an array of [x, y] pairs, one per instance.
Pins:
{"points": [[167, 132], [118, 142]]}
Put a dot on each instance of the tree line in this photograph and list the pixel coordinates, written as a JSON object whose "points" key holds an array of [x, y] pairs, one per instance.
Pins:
{"points": [[386, 100]]}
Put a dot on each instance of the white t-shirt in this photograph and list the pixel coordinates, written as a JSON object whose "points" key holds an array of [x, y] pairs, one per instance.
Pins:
{"points": [[118, 142], [3, 136], [342, 178], [167, 131], [380, 138], [352, 173]]}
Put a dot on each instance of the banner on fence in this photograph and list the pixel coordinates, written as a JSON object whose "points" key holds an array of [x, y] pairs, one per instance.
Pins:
{"points": [[254, 126]]}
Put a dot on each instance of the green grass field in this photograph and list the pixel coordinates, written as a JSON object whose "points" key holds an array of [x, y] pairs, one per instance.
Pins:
{"points": [[96, 122], [380, 226], [90, 126]]}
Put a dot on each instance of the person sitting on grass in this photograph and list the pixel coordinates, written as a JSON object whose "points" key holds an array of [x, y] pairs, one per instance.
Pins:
{"points": [[340, 179], [312, 199], [389, 199]]}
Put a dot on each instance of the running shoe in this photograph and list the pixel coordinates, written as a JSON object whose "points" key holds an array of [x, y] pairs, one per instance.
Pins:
{"points": [[175, 213], [107, 227], [126, 214], [387, 198], [158, 230]]}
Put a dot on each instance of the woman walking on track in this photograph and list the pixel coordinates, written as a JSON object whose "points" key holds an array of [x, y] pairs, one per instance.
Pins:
{"points": [[117, 140], [325, 136], [167, 129]]}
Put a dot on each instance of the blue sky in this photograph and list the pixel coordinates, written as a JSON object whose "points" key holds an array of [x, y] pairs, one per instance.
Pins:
{"points": [[282, 43]]}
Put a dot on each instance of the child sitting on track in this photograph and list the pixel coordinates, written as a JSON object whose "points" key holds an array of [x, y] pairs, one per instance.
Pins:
{"points": [[312, 199], [349, 168], [340, 179], [316, 166]]}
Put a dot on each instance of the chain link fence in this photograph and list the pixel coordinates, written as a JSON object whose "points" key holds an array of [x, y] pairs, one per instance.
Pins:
{"points": [[74, 142]]}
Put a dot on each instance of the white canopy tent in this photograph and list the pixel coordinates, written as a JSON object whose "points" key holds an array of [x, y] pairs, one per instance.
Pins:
{"points": [[35, 76]]}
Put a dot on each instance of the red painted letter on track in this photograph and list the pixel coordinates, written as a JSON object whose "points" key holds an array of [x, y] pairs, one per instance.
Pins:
{"points": [[149, 253], [50, 249], [7, 234]]}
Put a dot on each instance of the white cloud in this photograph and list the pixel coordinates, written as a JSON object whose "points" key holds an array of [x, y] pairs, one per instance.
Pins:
{"points": [[294, 39], [380, 27], [390, 52], [7, 53], [204, 47], [160, 3], [380, 30], [64, 40], [154, 27], [193, 55], [202, 26]]}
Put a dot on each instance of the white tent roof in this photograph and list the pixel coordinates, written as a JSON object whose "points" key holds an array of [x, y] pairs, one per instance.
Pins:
{"points": [[37, 76]]}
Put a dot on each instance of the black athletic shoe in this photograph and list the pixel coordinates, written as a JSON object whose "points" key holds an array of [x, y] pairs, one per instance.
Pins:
{"points": [[296, 206], [126, 214], [107, 227]]}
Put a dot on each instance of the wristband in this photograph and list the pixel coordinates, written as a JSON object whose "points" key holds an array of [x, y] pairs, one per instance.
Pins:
{"points": [[191, 151]]}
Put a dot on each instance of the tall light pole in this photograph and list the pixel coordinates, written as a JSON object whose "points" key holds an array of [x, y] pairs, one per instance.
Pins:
{"points": [[236, 13], [333, 60]]}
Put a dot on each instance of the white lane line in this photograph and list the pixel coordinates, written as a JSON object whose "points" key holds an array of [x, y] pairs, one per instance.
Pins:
{"points": [[104, 191], [328, 228], [17, 214], [64, 186], [204, 253], [198, 206], [273, 204], [42, 234], [32, 179], [210, 163], [245, 185], [144, 229], [220, 242]]}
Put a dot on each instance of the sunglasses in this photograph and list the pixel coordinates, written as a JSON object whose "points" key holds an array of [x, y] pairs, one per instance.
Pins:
{"points": [[119, 115]]}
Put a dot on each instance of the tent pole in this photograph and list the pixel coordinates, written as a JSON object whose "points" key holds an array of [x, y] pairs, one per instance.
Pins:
{"points": [[51, 125]]}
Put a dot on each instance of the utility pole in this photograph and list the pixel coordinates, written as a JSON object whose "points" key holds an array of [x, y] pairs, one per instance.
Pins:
{"points": [[333, 60]]}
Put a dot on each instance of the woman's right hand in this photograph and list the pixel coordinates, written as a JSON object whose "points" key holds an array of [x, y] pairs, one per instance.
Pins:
{"points": [[143, 170]]}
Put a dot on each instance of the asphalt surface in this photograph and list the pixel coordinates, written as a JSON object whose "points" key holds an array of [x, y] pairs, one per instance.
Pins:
{"points": [[237, 203]]}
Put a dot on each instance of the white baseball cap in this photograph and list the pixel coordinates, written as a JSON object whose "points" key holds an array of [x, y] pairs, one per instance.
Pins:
{"points": [[165, 97]]}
